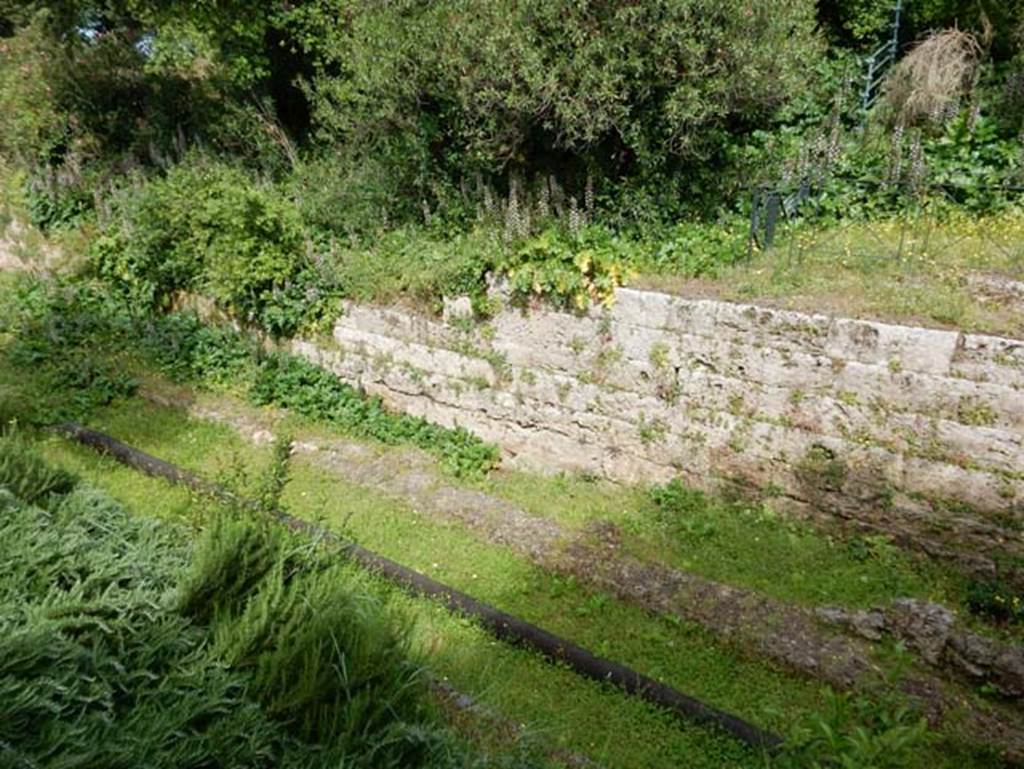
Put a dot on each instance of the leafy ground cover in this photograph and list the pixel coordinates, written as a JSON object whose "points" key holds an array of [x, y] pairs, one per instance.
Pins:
{"points": [[85, 345], [125, 644]]}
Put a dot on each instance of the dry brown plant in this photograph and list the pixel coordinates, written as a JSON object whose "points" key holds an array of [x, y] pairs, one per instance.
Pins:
{"points": [[931, 81]]}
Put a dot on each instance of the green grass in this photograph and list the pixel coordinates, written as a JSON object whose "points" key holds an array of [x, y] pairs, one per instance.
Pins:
{"points": [[732, 543], [576, 714], [126, 644], [414, 264], [729, 542], [914, 269], [917, 272], [736, 543], [516, 683]]}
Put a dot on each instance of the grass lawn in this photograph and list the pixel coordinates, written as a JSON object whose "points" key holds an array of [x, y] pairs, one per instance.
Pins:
{"points": [[566, 710], [951, 272]]}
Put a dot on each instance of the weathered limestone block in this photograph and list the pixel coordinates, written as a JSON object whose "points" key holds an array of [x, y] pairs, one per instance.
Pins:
{"points": [[990, 359], [902, 348]]}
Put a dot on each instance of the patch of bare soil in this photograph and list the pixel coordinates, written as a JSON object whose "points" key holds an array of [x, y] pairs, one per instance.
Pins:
{"points": [[830, 645], [8, 261]]}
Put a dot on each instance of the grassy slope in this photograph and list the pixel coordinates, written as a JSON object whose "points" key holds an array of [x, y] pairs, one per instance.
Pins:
{"points": [[918, 271], [613, 729], [557, 703]]}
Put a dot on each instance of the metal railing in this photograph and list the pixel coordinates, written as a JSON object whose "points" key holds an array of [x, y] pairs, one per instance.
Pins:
{"points": [[876, 65]]}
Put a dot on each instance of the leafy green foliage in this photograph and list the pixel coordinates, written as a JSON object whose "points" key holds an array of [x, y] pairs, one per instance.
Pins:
{"points": [[298, 666], [418, 264], [208, 227], [76, 354], [234, 555], [653, 81], [25, 475], [854, 732], [94, 666], [82, 343], [995, 599], [30, 121], [574, 271], [322, 657], [309, 390], [697, 249]]}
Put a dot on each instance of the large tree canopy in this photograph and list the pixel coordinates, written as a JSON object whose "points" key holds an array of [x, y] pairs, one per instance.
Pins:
{"points": [[405, 99]]}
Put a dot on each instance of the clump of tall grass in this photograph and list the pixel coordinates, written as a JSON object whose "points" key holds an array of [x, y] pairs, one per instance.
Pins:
{"points": [[122, 645], [27, 476], [931, 81], [322, 655], [95, 670]]}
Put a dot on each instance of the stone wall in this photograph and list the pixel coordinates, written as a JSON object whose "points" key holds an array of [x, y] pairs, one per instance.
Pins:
{"points": [[914, 431]]}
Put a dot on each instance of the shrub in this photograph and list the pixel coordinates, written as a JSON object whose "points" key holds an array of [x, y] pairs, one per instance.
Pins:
{"points": [[31, 124], [415, 263], [71, 341], [322, 656], [234, 555], [995, 599], [93, 668], [452, 87], [575, 271], [211, 228], [695, 249], [251, 242]]}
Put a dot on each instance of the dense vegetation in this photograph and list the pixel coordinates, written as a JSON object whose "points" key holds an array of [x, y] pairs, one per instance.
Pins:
{"points": [[85, 345], [280, 156], [123, 645]]}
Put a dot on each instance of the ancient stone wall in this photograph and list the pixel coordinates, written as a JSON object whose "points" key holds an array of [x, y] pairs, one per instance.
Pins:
{"points": [[915, 431]]}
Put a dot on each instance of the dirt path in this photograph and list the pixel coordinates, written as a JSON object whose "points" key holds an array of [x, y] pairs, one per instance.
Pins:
{"points": [[831, 645]]}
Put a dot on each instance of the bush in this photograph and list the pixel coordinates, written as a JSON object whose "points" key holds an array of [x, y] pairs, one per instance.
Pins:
{"points": [[413, 263], [322, 656], [93, 667], [572, 270], [31, 123], [72, 342], [451, 87], [211, 228], [696, 249], [995, 599]]}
